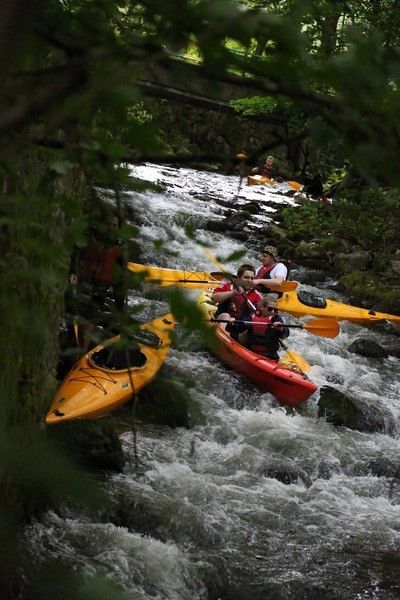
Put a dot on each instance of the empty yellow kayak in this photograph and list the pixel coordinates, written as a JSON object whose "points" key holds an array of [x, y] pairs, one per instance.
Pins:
{"points": [[101, 381], [300, 304], [167, 277]]}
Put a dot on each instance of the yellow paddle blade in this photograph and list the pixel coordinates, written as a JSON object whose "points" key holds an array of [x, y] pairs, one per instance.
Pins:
{"points": [[214, 260], [328, 328], [295, 358], [76, 332]]}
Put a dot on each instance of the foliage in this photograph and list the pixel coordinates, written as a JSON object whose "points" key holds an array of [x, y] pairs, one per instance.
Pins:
{"points": [[71, 91], [260, 105]]}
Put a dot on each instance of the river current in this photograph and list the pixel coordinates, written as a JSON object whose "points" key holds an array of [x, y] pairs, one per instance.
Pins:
{"points": [[206, 521]]}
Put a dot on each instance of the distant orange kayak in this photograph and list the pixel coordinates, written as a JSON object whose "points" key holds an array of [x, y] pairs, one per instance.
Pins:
{"points": [[260, 180]]}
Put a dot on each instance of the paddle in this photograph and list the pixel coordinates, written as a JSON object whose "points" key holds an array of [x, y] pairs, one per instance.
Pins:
{"points": [[328, 328], [295, 358]]}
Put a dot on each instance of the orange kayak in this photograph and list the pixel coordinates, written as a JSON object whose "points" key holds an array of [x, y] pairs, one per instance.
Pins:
{"points": [[101, 380]]}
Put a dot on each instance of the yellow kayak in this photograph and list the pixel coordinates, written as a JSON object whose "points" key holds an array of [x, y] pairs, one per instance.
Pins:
{"points": [[167, 277], [300, 304], [101, 382], [259, 180]]}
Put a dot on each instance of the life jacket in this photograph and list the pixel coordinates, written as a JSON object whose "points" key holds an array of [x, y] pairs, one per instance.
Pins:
{"points": [[99, 262], [267, 169], [263, 339], [237, 306]]}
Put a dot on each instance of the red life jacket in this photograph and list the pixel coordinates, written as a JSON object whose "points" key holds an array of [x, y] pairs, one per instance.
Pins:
{"points": [[267, 169], [99, 262], [260, 338], [264, 272]]}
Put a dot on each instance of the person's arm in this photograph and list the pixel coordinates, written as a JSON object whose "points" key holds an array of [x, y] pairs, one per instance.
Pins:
{"points": [[279, 326], [221, 296]]}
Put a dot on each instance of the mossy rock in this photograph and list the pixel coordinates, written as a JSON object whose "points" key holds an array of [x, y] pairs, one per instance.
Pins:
{"points": [[344, 410], [368, 347], [90, 444], [164, 403]]}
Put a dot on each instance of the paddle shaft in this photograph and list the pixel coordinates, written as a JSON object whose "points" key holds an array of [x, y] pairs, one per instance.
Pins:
{"points": [[251, 323]]}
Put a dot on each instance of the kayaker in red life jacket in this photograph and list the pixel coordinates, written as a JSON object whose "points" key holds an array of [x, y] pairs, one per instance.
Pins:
{"points": [[99, 268], [271, 270], [267, 169], [266, 329], [237, 300]]}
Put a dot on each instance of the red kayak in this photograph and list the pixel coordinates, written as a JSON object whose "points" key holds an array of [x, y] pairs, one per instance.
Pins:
{"points": [[282, 380]]}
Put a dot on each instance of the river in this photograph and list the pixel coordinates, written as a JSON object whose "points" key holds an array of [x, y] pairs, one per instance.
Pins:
{"points": [[205, 521]]}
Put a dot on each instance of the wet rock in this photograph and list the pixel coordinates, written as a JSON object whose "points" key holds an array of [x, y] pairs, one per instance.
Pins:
{"points": [[348, 263], [394, 351], [347, 411], [285, 472], [164, 403], [311, 277], [241, 226], [386, 327], [252, 207], [275, 234], [311, 250], [90, 444], [369, 348], [327, 469], [335, 378], [384, 467], [393, 269]]}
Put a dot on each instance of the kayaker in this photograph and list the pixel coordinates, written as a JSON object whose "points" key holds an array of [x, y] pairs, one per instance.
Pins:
{"points": [[237, 299], [271, 270], [266, 330], [266, 169], [97, 270]]}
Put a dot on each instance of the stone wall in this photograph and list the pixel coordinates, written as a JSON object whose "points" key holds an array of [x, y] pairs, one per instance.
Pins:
{"points": [[201, 131]]}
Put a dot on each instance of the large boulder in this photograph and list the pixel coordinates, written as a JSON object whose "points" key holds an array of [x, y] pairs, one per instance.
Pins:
{"points": [[91, 444], [362, 415], [393, 269], [369, 348], [349, 262], [164, 403]]}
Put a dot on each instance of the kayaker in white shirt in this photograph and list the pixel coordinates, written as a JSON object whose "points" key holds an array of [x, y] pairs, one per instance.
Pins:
{"points": [[271, 271]]}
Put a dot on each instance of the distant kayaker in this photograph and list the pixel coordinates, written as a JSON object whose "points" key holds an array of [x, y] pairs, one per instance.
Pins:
{"points": [[238, 299], [266, 330], [271, 271], [267, 169]]}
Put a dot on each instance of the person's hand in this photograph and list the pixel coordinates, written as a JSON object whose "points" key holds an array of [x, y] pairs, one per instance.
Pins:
{"points": [[73, 279], [277, 326]]}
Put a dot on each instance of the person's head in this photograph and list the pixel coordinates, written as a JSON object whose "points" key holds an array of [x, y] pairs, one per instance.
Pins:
{"points": [[267, 305], [246, 275], [269, 255], [269, 159]]}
